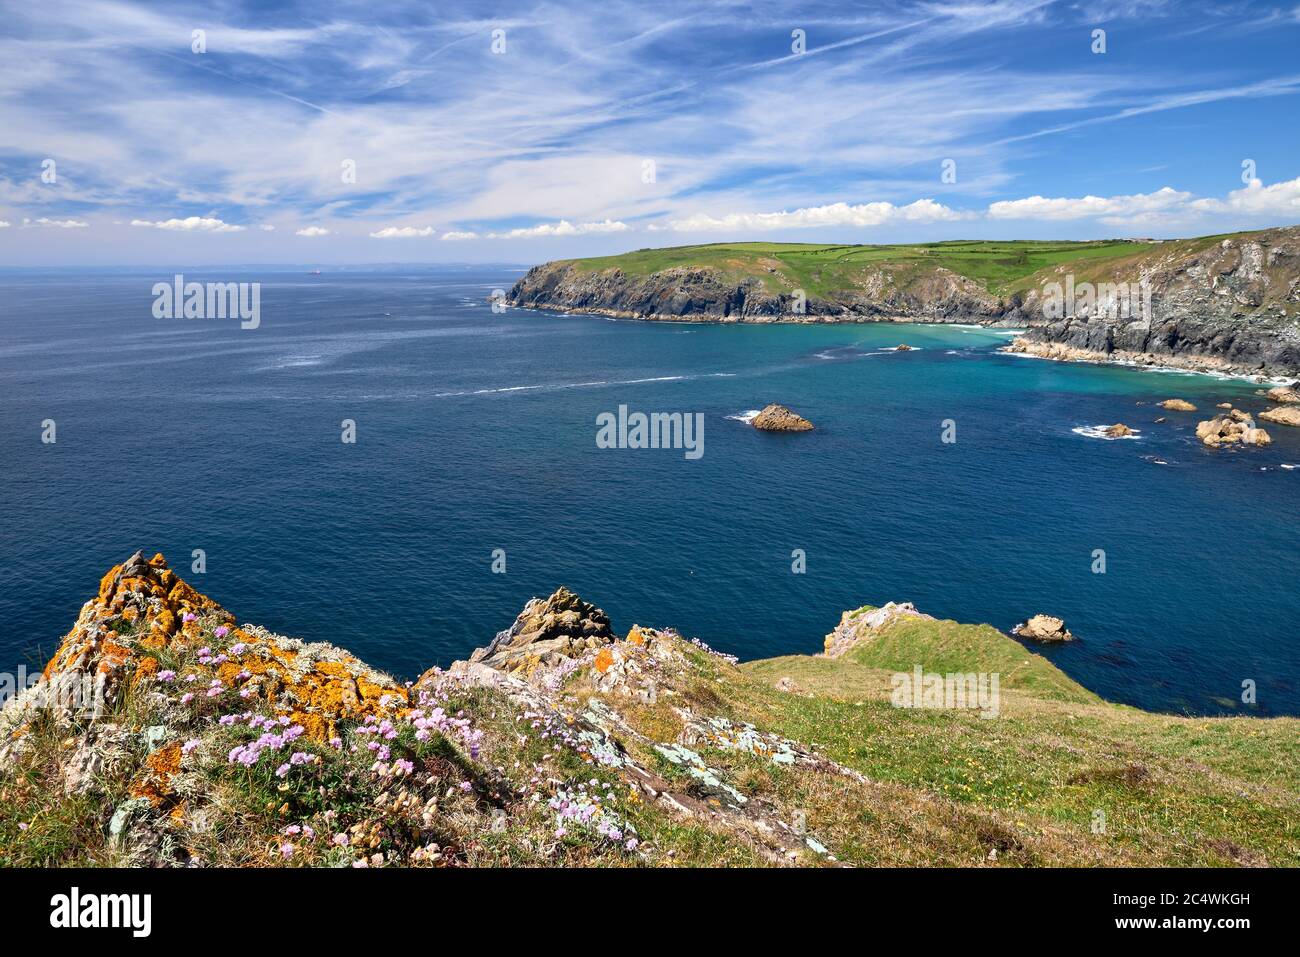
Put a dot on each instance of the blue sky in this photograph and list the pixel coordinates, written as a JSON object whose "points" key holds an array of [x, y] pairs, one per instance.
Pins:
{"points": [[529, 131]]}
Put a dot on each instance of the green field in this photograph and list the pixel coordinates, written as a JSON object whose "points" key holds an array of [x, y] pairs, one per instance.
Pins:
{"points": [[1003, 268]]}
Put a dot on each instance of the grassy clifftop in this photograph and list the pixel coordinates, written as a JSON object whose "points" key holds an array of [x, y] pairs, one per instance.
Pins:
{"points": [[566, 743], [1002, 268]]}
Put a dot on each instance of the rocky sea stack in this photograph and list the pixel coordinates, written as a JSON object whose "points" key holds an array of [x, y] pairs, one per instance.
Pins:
{"points": [[777, 418], [1043, 628]]}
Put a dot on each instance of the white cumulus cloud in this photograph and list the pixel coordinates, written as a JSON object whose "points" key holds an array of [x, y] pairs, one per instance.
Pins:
{"points": [[1108, 209], [808, 217], [459, 234], [402, 232], [191, 224], [1280, 199], [56, 223], [565, 228], [312, 231]]}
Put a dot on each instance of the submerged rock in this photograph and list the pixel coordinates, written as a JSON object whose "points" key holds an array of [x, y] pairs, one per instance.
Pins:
{"points": [[777, 418], [1043, 628]]}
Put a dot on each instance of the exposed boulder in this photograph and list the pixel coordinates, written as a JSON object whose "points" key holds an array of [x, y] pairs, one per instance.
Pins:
{"points": [[1282, 415], [777, 418], [1118, 430], [1043, 628], [1287, 395], [1231, 430], [545, 633], [865, 623], [1177, 405]]}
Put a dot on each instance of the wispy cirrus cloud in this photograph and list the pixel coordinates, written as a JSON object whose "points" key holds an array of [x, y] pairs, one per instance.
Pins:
{"points": [[684, 117]]}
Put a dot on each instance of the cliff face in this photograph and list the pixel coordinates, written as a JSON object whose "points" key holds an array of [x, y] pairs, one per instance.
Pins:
{"points": [[165, 733], [706, 295], [1230, 305]]}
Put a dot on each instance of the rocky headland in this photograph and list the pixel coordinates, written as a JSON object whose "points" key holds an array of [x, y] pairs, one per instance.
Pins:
{"points": [[1227, 305]]}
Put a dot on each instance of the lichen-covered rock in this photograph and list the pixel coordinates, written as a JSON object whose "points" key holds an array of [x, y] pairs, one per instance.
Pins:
{"points": [[143, 610], [1043, 628], [777, 418]]}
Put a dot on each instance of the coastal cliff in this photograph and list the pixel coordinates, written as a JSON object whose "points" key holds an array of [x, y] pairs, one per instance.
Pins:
{"points": [[1222, 304], [164, 732]]}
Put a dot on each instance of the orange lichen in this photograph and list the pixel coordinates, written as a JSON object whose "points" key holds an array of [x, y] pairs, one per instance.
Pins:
{"points": [[147, 668], [112, 655], [604, 660], [634, 635], [155, 783], [317, 727]]}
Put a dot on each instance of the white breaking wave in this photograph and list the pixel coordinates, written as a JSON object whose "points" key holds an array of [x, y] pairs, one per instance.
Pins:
{"points": [[747, 416], [556, 386], [1099, 432]]}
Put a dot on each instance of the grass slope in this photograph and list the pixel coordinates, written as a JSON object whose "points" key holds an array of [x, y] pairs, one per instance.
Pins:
{"points": [[1170, 790], [1003, 268]]}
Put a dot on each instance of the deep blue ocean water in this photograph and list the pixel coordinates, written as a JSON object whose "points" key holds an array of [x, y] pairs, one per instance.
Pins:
{"points": [[476, 431]]}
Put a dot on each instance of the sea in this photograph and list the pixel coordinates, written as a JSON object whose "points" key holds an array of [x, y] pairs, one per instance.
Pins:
{"points": [[973, 483]]}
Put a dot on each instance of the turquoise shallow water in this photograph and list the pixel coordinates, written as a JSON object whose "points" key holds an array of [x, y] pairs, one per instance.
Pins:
{"points": [[476, 431]]}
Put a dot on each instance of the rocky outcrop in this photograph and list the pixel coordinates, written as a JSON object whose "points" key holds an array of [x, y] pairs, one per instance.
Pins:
{"points": [[1284, 394], [1177, 405], [777, 418], [1282, 415], [1117, 431], [547, 632], [1235, 428], [1230, 306], [1043, 628], [864, 624]]}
